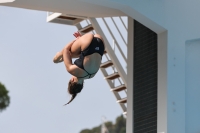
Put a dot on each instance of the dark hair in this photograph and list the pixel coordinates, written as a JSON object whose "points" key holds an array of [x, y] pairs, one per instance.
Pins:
{"points": [[73, 89]]}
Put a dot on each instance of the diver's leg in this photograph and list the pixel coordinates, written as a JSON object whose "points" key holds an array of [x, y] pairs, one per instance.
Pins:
{"points": [[75, 46], [59, 55]]}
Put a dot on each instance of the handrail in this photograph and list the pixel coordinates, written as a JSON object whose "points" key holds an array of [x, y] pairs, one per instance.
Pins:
{"points": [[119, 31], [124, 57], [111, 53], [123, 23]]}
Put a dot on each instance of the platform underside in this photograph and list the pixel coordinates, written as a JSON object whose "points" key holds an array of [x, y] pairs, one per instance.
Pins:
{"points": [[74, 7]]}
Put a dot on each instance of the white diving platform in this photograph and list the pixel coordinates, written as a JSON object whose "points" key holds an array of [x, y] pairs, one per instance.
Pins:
{"points": [[61, 18]]}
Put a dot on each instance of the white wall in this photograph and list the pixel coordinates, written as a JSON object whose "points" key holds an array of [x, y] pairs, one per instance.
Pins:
{"points": [[192, 86]]}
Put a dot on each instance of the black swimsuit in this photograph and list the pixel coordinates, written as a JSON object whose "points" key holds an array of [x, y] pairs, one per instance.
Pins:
{"points": [[96, 46]]}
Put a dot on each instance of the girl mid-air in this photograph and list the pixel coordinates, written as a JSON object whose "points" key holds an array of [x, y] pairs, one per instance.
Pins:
{"points": [[89, 50]]}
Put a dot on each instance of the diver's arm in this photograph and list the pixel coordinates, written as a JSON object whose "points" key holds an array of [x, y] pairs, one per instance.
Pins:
{"points": [[67, 58], [72, 69], [59, 55]]}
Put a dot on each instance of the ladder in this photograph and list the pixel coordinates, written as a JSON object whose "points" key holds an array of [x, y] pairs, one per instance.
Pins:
{"points": [[111, 60]]}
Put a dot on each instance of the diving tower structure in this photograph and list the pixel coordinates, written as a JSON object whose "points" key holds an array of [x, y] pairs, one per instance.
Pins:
{"points": [[151, 62]]}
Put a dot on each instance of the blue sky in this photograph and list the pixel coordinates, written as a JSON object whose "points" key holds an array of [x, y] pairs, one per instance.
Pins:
{"points": [[38, 87]]}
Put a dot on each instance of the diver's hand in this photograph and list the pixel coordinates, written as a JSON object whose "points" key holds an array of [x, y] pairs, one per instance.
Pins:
{"points": [[77, 34]]}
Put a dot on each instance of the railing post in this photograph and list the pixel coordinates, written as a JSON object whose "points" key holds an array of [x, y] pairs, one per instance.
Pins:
{"points": [[130, 77]]}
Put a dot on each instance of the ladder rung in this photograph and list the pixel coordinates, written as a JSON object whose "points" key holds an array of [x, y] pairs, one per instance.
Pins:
{"points": [[113, 76], [123, 100], [119, 88], [86, 29], [125, 113], [106, 64]]}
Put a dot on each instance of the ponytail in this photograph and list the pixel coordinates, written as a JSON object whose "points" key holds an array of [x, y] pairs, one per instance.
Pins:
{"points": [[72, 98], [74, 89]]}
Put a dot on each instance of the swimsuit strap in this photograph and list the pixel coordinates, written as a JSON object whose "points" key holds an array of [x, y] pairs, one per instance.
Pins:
{"points": [[89, 73], [86, 75]]}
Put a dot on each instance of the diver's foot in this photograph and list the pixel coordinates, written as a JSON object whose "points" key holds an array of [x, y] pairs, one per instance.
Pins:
{"points": [[58, 58]]}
